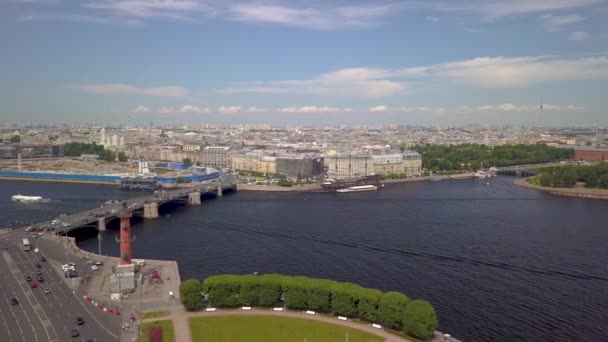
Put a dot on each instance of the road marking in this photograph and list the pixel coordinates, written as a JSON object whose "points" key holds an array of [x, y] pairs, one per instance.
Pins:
{"points": [[10, 338], [31, 299]]}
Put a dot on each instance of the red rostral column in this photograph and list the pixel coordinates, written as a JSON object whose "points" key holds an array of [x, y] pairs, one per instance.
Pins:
{"points": [[125, 236]]}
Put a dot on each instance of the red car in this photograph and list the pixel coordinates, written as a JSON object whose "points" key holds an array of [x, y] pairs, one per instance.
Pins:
{"points": [[33, 284]]}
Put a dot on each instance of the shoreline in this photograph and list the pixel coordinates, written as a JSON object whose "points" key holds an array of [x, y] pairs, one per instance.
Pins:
{"points": [[597, 194], [28, 179]]}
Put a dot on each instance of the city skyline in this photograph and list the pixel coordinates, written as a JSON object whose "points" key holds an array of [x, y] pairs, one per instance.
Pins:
{"points": [[311, 63]]}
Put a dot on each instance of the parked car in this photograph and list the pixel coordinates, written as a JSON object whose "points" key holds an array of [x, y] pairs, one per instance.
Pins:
{"points": [[46, 290], [79, 320], [75, 333]]}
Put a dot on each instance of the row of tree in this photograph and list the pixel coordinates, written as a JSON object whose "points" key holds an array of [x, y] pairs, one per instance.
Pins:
{"points": [[594, 176], [472, 156], [393, 309], [76, 149]]}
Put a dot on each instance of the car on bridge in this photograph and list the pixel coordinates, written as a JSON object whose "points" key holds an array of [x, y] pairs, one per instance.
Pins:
{"points": [[14, 301]]}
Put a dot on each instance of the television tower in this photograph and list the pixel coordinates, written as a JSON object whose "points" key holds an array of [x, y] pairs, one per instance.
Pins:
{"points": [[125, 235]]}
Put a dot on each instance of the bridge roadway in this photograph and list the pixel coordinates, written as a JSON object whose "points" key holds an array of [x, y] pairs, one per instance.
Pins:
{"points": [[109, 211]]}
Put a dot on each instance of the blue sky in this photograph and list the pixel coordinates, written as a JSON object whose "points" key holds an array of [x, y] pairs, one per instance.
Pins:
{"points": [[304, 62]]}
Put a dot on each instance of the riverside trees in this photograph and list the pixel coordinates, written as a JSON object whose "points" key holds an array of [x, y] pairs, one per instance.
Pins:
{"points": [[392, 309]]}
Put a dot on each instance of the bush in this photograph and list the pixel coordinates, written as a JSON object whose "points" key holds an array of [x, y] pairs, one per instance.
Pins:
{"points": [[223, 290], [294, 292], [391, 308], [190, 293], [344, 299], [269, 289], [367, 303], [419, 319], [249, 292]]}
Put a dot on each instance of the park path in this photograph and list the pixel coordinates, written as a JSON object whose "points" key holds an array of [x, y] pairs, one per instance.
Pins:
{"points": [[181, 318]]}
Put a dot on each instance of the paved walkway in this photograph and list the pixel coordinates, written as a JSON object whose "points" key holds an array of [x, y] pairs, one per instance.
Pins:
{"points": [[181, 324]]}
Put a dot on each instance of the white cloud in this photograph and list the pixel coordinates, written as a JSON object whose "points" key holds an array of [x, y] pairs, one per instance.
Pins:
{"points": [[359, 82], [193, 109], [309, 109], [432, 19], [579, 36], [167, 110], [378, 109], [229, 109], [553, 23], [501, 72], [169, 9], [509, 107], [141, 109], [127, 89], [503, 8], [257, 110], [316, 18]]}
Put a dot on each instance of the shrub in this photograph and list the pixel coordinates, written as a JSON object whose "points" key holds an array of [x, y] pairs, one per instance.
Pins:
{"points": [[190, 293], [419, 319], [223, 290], [269, 290], [367, 303], [391, 309], [344, 299]]}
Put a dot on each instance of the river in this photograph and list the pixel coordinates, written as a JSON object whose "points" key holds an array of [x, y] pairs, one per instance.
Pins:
{"points": [[498, 262]]}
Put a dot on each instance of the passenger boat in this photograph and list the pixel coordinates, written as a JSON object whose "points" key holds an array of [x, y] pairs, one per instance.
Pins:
{"points": [[358, 188]]}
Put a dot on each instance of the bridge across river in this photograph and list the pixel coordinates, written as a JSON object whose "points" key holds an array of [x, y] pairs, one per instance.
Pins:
{"points": [[146, 206]]}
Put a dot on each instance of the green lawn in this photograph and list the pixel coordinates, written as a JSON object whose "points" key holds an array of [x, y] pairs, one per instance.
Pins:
{"points": [[155, 314], [166, 324], [272, 329]]}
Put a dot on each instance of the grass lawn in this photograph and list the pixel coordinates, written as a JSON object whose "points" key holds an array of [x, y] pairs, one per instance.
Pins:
{"points": [[166, 324], [155, 314], [272, 329]]}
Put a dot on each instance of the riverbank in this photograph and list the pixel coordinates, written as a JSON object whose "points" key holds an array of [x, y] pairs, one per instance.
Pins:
{"points": [[578, 192], [30, 179]]}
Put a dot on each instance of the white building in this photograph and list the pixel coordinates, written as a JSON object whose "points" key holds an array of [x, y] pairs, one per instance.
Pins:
{"points": [[360, 164], [217, 157]]}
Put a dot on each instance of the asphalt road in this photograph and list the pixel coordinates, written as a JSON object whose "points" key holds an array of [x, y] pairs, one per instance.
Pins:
{"points": [[45, 317]]}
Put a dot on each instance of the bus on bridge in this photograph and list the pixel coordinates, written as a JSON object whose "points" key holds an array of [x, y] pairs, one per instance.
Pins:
{"points": [[26, 245]]}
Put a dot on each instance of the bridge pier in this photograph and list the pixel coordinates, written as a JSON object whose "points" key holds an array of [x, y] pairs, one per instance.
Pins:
{"points": [[150, 210], [194, 198], [101, 224], [219, 190]]}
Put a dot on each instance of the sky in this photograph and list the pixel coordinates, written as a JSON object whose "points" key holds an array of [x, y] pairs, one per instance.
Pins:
{"points": [[315, 62]]}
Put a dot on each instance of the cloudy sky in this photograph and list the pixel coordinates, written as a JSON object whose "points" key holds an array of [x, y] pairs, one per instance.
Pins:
{"points": [[304, 62]]}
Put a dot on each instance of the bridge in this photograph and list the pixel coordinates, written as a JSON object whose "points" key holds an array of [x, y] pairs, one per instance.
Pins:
{"points": [[145, 206]]}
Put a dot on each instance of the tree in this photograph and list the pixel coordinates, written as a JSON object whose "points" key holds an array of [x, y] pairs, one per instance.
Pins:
{"points": [[419, 319], [190, 293], [198, 163], [108, 156], [295, 292], [15, 139], [391, 309], [546, 179], [367, 304], [223, 290], [122, 157], [269, 289], [187, 162], [249, 293], [603, 181], [344, 298], [319, 294]]}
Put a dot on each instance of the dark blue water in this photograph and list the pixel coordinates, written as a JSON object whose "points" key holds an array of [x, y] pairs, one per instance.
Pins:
{"points": [[498, 262]]}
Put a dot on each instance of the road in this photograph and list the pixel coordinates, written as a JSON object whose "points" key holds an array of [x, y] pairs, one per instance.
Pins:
{"points": [[41, 317]]}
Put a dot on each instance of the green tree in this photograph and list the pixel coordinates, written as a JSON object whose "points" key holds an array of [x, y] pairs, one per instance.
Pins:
{"points": [[269, 289], [198, 163], [546, 179], [108, 155], [222, 290], [187, 161], [15, 139], [603, 181], [122, 157], [295, 292], [367, 304], [419, 319], [190, 293], [319, 294], [391, 309], [249, 292], [344, 299]]}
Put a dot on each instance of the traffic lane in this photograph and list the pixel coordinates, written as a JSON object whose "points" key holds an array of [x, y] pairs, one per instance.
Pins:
{"points": [[13, 316], [103, 323], [66, 308], [26, 322], [53, 305]]}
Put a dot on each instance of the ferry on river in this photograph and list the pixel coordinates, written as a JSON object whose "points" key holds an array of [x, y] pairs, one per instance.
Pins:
{"points": [[358, 188]]}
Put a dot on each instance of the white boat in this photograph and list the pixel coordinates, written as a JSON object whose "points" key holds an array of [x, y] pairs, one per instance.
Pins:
{"points": [[26, 199], [359, 188]]}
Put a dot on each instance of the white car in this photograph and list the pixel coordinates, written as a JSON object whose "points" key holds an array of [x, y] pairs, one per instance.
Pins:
{"points": [[66, 268], [36, 250], [94, 267]]}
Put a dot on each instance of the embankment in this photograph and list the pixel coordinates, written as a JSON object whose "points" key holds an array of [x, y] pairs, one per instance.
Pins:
{"points": [[578, 192]]}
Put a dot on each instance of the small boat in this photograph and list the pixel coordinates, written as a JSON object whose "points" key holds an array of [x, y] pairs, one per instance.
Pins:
{"points": [[358, 188], [26, 199]]}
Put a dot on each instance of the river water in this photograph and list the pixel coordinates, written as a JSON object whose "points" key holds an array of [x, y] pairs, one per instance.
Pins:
{"points": [[498, 262]]}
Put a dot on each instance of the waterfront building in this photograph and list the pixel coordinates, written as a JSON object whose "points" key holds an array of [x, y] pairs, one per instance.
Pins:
{"points": [[360, 164], [191, 147], [265, 165], [299, 166], [588, 153], [217, 157]]}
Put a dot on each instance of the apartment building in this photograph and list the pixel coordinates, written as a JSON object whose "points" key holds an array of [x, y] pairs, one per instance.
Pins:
{"points": [[217, 157], [359, 164]]}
